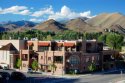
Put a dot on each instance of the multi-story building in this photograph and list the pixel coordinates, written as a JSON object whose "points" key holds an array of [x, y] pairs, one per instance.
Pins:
{"points": [[59, 57], [65, 55], [9, 51]]}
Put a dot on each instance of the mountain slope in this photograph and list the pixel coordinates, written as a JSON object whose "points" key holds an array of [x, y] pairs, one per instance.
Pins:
{"points": [[22, 23], [14, 26], [79, 24], [107, 20], [2, 29], [50, 25]]}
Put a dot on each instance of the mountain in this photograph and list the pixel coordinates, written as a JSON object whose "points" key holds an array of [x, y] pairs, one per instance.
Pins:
{"points": [[106, 20], [115, 21], [50, 25], [64, 21], [99, 23], [22, 23], [12, 26], [79, 24], [2, 29]]}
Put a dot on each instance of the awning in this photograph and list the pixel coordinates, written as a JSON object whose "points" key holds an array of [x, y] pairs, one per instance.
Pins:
{"points": [[69, 44], [43, 43]]}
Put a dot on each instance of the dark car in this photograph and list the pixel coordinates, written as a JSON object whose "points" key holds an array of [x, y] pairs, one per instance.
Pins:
{"points": [[18, 76], [1, 79], [4, 77], [1, 67]]}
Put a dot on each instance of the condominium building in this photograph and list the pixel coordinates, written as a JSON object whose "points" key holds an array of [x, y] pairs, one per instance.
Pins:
{"points": [[57, 57], [65, 55]]}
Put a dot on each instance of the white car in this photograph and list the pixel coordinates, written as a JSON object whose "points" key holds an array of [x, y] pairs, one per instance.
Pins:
{"points": [[4, 66]]}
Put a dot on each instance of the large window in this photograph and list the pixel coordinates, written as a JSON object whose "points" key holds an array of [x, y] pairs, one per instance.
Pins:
{"points": [[25, 57], [59, 48], [58, 59], [30, 47], [43, 48], [88, 47], [74, 60], [49, 58]]}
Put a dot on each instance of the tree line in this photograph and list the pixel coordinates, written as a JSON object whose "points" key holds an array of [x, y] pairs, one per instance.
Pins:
{"points": [[112, 39]]}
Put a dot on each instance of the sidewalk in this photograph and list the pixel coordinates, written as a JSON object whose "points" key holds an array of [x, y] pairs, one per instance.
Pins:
{"points": [[66, 75]]}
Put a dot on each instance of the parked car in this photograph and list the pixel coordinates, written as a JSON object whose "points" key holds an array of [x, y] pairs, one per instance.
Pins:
{"points": [[18, 75], [1, 67], [1, 79], [4, 66], [4, 76], [30, 70]]}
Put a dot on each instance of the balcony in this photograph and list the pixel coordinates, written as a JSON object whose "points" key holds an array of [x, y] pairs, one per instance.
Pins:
{"points": [[27, 51]]}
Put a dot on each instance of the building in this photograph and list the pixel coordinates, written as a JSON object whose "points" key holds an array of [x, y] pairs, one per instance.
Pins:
{"points": [[57, 57], [9, 51], [65, 55]]}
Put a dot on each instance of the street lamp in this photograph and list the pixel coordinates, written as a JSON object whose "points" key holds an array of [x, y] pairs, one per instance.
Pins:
{"points": [[121, 73]]}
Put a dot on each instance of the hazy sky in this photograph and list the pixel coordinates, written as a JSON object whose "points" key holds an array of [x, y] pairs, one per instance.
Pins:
{"points": [[40, 10]]}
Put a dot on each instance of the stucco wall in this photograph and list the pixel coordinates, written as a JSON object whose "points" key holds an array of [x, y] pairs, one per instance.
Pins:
{"points": [[5, 57], [19, 44]]}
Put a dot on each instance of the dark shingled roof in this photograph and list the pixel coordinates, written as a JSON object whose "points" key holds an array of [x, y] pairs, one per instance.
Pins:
{"points": [[9, 47]]}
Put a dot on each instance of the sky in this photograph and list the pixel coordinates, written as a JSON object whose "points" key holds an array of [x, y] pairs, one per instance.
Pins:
{"points": [[41, 10]]}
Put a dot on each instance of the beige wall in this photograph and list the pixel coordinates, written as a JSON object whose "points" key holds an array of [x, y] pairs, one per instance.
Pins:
{"points": [[24, 65], [19, 44], [5, 57]]}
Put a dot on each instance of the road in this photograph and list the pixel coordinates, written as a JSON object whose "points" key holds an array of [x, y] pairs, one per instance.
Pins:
{"points": [[99, 78], [94, 78]]}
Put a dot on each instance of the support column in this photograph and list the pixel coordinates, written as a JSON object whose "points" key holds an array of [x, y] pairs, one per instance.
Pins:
{"points": [[21, 58], [63, 67], [28, 57]]}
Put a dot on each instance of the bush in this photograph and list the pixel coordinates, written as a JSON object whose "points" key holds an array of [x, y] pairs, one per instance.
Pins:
{"points": [[34, 65], [18, 63]]}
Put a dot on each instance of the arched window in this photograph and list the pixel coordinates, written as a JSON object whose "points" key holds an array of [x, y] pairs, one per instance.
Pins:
{"points": [[74, 60]]}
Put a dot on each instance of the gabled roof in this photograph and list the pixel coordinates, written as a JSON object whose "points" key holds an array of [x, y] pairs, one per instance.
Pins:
{"points": [[9, 47]]}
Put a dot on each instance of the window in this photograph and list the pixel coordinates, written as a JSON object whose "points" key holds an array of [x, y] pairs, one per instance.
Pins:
{"points": [[98, 58], [58, 59], [49, 58], [59, 48], [100, 46], [87, 59], [93, 58], [67, 49], [25, 57], [30, 47], [73, 48], [88, 47], [84, 67], [43, 48], [41, 57], [74, 60]]}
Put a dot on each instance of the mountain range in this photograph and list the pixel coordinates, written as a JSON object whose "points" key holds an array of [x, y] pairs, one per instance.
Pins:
{"points": [[110, 21]]}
